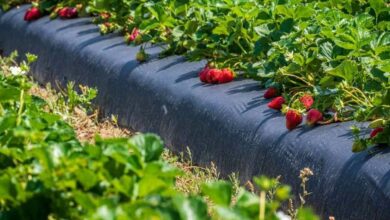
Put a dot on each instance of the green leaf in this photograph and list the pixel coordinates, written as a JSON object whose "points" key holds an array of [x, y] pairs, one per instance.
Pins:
{"points": [[285, 10], [220, 192], [228, 214], [178, 32], [87, 178], [125, 185], [7, 122], [9, 94], [346, 41], [191, 27], [248, 202], [191, 208], [7, 188], [326, 51], [45, 158], [150, 184], [346, 70], [385, 67], [221, 29], [306, 214], [283, 193], [150, 146], [304, 12], [85, 200], [265, 183], [378, 6]]}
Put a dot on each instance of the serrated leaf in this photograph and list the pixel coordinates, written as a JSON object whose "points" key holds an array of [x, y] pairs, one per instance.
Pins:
{"points": [[346, 70]]}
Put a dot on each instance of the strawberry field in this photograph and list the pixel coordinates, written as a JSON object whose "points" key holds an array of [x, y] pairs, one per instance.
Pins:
{"points": [[334, 52], [282, 80]]}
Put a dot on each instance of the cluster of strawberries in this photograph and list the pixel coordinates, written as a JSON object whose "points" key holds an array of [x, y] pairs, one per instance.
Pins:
{"points": [[107, 27], [66, 13], [103, 22], [212, 75], [293, 116], [134, 36]]}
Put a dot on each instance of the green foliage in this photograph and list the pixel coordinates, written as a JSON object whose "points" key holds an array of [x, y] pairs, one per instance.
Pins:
{"points": [[83, 99], [45, 172]]}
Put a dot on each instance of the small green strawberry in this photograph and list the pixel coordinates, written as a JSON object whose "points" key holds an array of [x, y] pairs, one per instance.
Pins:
{"points": [[142, 56]]}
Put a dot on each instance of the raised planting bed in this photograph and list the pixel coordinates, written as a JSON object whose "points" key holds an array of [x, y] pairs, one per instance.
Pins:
{"points": [[229, 124]]}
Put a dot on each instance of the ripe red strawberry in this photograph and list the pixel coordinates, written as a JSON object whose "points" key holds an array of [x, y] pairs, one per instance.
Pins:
{"points": [[226, 76], [276, 103], [63, 12], [271, 93], [68, 12], [375, 132], [313, 116], [32, 14], [293, 119], [72, 13], [213, 75], [203, 74], [307, 100], [134, 34]]}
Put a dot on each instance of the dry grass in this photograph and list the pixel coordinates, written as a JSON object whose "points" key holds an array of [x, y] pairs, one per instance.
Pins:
{"points": [[85, 125], [193, 175]]}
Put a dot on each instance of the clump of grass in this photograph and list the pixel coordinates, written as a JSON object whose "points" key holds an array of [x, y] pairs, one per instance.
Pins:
{"points": [[87, 124], [190, 182]]}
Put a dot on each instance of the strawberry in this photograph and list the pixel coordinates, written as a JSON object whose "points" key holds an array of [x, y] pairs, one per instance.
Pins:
{"points": [[375, 132], [106, 27], [203, 74], [72, 13], [63, 12], [271, 93], [293, 119], [313, 116], [134, 34], [68, 12], [210, 74], [307, 100], [226, 76], [213, 75], [211, 65], [276, 103], [142, 56], [105, 15], [358, 146], [32, 14], [138, 40]]}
